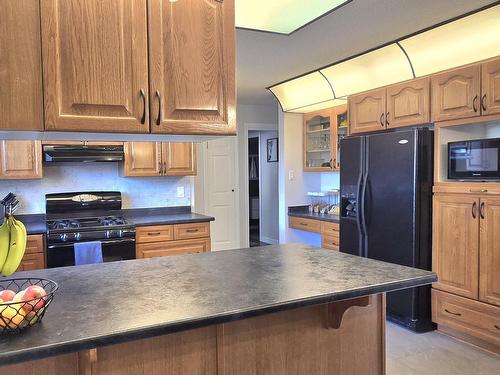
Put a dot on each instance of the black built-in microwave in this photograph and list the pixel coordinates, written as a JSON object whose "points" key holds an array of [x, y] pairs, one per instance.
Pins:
{"points": [[477, 159]]}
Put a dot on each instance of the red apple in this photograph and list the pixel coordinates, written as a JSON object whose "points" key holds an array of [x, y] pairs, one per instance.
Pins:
{"points": [[7, 295], [35, 293]]}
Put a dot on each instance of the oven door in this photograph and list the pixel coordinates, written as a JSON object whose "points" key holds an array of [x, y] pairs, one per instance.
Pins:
{"points": [[474, 160], [63, 254]]}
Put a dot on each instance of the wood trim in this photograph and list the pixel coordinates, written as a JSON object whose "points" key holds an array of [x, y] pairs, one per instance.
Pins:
{"points": [[335, 311], [468, 339], [468, 121], [480, 188]]}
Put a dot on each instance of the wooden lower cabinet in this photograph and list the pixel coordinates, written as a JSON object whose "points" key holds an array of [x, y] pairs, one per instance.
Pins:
{"points": [[309, 225], [20, 160], [330, 231], [345, 337], [477, 319], [34, 256], [456, 243], [165, 240]]}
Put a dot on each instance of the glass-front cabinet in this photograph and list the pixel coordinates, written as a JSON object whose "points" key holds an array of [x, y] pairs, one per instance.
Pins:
{"points": [[323, 131]]}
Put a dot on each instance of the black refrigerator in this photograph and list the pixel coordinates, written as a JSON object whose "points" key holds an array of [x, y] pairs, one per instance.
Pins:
{"points": [[386, 210]]}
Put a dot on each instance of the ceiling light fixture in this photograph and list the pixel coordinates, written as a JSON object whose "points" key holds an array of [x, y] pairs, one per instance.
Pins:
{"points": [[282, 16], [472, 37]]}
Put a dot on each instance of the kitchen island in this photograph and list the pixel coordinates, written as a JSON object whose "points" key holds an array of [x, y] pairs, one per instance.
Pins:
{"points": [[284, 309]]}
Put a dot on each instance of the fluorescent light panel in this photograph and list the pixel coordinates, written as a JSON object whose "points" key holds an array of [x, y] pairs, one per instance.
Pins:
{"points": [[281, 16], [320, 106], [467, 40]]}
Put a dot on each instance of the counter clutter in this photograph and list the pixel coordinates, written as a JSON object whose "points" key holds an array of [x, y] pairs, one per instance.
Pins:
{"points": [[115, 303]]}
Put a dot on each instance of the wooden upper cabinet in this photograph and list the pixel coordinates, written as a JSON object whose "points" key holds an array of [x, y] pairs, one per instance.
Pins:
{"points": [[21, 103], [489, 252], [179, 159], [192, 66], [490, 98], [319, 141], [20, 160], [95, 65], [456, 93], [455, 250], [142, 159], [367, 111], [408, 103]]}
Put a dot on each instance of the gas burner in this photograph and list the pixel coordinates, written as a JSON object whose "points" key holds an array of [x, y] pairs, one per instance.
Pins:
{"points": [[65, 224], [111, 220]]}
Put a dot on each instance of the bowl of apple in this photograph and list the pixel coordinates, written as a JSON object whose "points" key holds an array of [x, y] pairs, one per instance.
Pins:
{"points": [[23, 302]]}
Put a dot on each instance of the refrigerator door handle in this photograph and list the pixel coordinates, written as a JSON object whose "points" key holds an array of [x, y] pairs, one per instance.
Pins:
{"points": [[362, 204]]}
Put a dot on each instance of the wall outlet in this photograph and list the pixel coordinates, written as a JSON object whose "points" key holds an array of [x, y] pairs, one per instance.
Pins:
{"points": [[291, 175], [180, 191]]}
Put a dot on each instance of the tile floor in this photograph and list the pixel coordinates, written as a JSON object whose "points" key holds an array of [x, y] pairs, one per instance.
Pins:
{"points": [[435, 354]]}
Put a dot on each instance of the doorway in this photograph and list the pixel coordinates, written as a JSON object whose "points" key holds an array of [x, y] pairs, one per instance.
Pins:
{"points": [[262, 188]]}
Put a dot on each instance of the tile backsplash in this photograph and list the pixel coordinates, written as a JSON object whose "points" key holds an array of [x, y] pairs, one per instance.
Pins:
{"points": [[138, 192]]}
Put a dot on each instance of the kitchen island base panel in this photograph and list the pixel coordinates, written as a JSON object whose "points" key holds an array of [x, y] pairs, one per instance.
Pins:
{"points": [[299, 341]]}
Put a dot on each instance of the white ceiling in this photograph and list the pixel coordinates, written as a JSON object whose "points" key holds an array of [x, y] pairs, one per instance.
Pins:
{"points": [[265, 59]]}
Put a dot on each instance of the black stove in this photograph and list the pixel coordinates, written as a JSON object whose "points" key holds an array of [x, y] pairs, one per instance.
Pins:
{"points": [[87, 217]]}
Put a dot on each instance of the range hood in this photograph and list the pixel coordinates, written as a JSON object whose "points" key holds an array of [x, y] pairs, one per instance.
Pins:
{"points": [[82, 153]]}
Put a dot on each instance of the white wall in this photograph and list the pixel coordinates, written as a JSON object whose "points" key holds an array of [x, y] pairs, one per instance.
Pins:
{"points": [[293, 191], [138, 192]]}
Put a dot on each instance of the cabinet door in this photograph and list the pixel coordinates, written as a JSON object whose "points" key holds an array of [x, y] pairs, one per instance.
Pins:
{"points": [[179, 159], [95, 65], [20, 66], [192, 66], [367, 111], [319, 141], [455, 249], [408, 103], [455, 94], [161, 249], [142, 159], [490, 80], [489, 251], [20, 160]]}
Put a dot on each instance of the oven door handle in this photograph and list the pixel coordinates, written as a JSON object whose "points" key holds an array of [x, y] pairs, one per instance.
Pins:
{"points": [[128, 240]]}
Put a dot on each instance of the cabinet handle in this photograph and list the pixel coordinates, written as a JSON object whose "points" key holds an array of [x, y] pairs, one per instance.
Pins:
{"points": [[474, 106], [158, 120], [191, 230], [304, 224], [381, 120], [452, 313], [143, 96], [164, 167], [481, 210], [334, 163], [154, 233], [479, 191], [483, 102], [474, 210], [331, 163], [387, 118], [160, 168], [497, 326]]}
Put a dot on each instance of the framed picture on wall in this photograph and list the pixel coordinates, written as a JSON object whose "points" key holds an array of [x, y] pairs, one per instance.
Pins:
{"points": [[272, 150]]}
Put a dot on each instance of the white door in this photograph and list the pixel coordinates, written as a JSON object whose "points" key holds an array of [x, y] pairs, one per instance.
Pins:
{"points": [[221, 193]]}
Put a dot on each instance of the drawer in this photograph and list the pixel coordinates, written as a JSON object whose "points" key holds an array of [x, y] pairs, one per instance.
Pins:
{"points": [[154, 233], [330, 229], [192, 230], [161, 249], [330, 242], [34, 244], [32, 262], [309, 225], [471, 317]]}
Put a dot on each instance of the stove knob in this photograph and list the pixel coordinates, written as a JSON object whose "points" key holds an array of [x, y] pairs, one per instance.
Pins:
{"points": [[107, 234], [78, 236], [63, 237], [120, 233]]}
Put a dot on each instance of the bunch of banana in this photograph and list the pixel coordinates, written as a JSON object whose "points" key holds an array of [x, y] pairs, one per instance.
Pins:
{"points": [[12, 245]]}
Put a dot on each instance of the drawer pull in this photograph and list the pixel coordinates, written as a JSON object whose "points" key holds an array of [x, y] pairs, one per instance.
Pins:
{"points": [[154, 233], [497, 327], [452, 313], [191, 230], [479, 191], [304, 224]]}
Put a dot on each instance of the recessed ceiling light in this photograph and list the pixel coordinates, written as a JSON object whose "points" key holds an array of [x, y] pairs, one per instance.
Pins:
{"points": [[282, 16]]}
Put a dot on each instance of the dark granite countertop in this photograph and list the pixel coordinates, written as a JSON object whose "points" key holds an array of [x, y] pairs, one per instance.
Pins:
{"points": [[116, 302], [34, 223], [164, 215], [303, 211]]}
